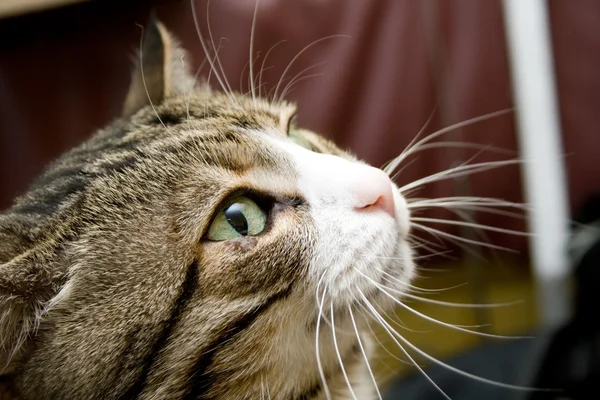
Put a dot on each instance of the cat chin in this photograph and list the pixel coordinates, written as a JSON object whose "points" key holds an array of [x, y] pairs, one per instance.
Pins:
{"points": [[379, 285]]}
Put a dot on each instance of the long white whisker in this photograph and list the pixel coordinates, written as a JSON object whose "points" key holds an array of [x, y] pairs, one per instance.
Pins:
{"points": [[404, 167], [285, 71], [443, 236], [413, 288], [212, 41], [208, 57], [298, 77], [447, 129], [458, 239], [469, 200], [144, 80], [323, 317], [471, 225], [393, 164], [454, 369], [450, 304], [462, 145], [422, 243], [367, 315], [319, 364], [393, 335], [428, 318], [290, 88], [398, 322], [362, 350], [262, 65], [339, 356], [459, 171], [252, 90]]}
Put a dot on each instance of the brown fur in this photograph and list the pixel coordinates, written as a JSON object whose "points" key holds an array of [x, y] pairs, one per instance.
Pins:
{"points": [[108, 288]]}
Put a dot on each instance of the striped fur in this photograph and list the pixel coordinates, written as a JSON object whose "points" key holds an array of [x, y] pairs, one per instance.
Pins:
{"points": [[109, 289]]}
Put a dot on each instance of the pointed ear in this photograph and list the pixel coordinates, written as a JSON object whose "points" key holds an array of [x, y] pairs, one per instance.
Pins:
{"points": [[29, 278], [162, 70]]}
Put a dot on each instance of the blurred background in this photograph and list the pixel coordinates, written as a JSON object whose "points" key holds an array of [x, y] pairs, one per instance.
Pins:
{"points": [[369, 74]]}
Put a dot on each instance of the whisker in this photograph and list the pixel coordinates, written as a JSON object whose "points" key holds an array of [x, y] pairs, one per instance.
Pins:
{"points": [[453, 304], [210, 36], [398, 322], [323, 316], [463, 145], [262, 65], [392, 333], [367, 315], [450, 367], [436, 321], [456, 207], [404, 167], [458, 239], [298, 77], [285, 71], [241, 85], [187, 98], [429, 138], [252, 90], [468, 200], [295, 82], [471, 225], [319, 364], [337, 351], [393, 164], [435, 254], [422, 243], [362, 350], [412, 287], [207, 52], [459, 171], [144, 80]]}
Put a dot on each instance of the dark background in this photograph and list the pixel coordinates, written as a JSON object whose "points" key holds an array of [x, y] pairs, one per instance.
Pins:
{"points": [[64, 73]]}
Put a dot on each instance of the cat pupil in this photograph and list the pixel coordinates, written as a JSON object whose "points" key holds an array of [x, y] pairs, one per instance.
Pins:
{"points": [[236, 218]]}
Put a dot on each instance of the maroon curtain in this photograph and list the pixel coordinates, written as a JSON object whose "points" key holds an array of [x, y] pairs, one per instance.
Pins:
{"points": [[380, 67]]}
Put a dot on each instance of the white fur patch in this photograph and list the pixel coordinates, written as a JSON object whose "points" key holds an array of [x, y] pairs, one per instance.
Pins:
{"points": [[356, 246]]}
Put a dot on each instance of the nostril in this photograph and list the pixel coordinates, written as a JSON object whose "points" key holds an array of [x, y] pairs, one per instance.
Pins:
{"points": [[371, 204], [385, 203], [374, 191], [380, 202]]}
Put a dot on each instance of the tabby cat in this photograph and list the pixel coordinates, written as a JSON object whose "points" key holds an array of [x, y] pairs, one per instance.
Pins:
{"points": [[201, 247]]}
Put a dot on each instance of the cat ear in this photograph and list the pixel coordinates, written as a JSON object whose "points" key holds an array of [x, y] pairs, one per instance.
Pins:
{"points": [[162, 69], [29, 278]]}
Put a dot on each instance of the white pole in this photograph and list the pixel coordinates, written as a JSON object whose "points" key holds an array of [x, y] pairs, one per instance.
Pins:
{"points": [[538, 125]]}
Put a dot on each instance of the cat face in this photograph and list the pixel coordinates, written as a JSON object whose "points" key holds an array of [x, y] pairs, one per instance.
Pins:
{"points": [[194, 249]]}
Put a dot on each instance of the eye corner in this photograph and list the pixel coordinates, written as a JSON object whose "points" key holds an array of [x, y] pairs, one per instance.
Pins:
{"points": [[291, 122]]}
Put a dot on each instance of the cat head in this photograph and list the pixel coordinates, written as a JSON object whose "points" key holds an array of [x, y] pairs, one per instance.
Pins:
{"points": [[194, 248]]}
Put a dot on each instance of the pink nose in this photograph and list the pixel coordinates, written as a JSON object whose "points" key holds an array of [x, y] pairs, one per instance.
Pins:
{"points": [[373, 191]]}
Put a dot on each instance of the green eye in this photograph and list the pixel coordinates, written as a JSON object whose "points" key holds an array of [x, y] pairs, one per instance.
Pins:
{"points": [[241, 217], [299, 140]]}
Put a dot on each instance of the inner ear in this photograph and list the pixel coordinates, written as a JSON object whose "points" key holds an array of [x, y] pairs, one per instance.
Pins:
{"points": [[162, 69]]}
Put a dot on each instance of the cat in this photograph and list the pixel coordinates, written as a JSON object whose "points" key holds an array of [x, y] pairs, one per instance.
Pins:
{"points": [[203, 246]]}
